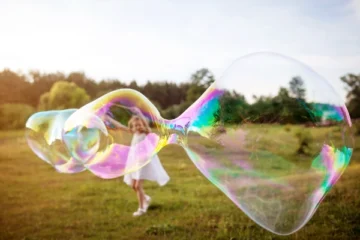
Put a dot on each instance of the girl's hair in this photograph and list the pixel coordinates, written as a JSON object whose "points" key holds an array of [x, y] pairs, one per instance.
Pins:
{"points": [[145, 126]]}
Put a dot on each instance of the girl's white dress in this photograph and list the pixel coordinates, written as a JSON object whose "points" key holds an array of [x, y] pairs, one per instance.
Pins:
{"points": [[153, 171]]}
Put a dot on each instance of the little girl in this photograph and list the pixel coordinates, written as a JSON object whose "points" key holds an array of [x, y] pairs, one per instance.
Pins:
{"points": [[153, 171]]}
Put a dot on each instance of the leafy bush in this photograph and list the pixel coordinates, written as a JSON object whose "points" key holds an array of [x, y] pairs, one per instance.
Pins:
{"points": [[14, 115], [63, 95], [305, 139]]}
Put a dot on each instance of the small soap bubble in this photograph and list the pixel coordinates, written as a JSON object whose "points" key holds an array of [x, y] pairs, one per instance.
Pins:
{"points": [[44, 136]]}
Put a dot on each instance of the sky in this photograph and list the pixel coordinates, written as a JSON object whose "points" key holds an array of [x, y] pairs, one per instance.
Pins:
{"points": [[169, 40]]}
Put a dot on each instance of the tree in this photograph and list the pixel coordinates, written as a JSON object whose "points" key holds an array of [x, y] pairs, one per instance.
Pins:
{"points": [[297, 87], [234, 108], [41, 84], [200, 81], [202, 77], [262, 111], [353, 97], [134, 85], [63, 95], [106, 86], [301, 110], [14, 87], [282, 104], [81, 80]]}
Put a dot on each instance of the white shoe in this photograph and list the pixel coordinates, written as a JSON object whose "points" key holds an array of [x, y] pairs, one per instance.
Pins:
{"points": [[147, 202], [139, 212]]}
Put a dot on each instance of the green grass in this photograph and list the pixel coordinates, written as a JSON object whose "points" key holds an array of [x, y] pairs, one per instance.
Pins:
{"points": [[39, 203]]}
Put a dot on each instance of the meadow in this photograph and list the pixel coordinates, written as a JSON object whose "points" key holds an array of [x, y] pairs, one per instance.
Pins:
{"points": [[39, 203]]}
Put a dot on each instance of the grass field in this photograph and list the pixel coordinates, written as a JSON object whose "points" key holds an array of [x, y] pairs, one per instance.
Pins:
{"points": [[39, 203]]}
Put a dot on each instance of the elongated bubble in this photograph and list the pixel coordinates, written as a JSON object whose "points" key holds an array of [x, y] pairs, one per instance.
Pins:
{"points": [[271, 134]]}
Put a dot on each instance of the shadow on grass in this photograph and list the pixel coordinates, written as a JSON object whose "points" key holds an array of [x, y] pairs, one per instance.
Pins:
{"points": [[155, 207]]}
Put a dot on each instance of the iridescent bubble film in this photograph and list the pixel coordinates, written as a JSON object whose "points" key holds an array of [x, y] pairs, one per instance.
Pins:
{"points": [[271, 134], [44, 136], [112, 135]]}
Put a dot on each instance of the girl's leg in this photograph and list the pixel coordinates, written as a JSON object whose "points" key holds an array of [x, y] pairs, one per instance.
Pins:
{"points": [[133, 184], [145, 199], [140, 193], [141, 189]]}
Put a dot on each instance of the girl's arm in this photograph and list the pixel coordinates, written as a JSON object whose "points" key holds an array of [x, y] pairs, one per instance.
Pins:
{"points": [[116, 123]]}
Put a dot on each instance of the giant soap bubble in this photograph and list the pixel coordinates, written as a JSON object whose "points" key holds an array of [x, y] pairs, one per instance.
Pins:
{"points": [[271, 134]]}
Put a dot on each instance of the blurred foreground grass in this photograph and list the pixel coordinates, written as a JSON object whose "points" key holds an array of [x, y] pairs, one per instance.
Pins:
{"points": [[39, 203]]}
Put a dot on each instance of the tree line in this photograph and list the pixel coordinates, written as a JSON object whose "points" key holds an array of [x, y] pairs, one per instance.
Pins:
{"points": [[23, 94]]}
